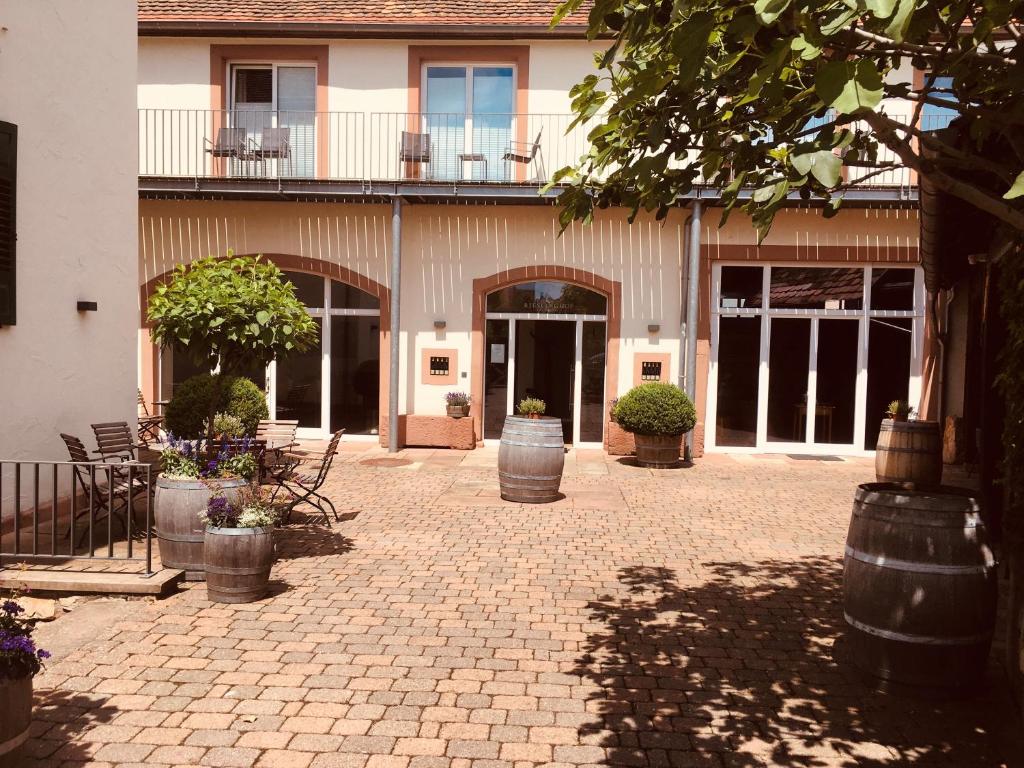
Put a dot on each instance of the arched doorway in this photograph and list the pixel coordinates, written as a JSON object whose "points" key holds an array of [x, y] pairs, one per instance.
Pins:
{"points": [[547, 339], [335, 385]]}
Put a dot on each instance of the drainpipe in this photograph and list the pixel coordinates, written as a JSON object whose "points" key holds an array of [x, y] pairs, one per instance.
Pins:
{"points": [[396, 294], [693, 293]]}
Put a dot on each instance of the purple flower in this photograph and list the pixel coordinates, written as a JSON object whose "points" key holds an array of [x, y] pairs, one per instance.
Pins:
{"points": [[11, 607], [43, 654]]}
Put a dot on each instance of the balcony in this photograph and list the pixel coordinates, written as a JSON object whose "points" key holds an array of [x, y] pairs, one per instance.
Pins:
{"points": [[249, 153]]}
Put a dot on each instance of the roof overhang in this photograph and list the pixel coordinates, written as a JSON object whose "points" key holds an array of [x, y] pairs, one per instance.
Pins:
{"points": [[341, 30]]}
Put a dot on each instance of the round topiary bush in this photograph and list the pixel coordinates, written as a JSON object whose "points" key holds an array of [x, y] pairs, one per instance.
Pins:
{"points": [[655, 409], [189, 409]]}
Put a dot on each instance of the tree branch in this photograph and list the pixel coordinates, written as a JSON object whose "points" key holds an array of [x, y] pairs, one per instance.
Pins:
{"points": [[927, 50]]}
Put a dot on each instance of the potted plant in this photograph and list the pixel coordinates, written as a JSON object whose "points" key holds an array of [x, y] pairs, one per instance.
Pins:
{"points": [[184, 487], [458, 404], [20, 661], [899, 410], [658, 415], [611, 408], [238, 545], [532, 408]]}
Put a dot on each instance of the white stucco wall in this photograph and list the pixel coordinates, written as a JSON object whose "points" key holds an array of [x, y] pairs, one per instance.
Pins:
{"points": [[67, 79]]}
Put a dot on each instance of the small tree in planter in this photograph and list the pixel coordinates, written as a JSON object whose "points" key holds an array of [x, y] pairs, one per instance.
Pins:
{"points": [[532, 407], [20, 661], [457, 404], [658, 415], [238, 545]]}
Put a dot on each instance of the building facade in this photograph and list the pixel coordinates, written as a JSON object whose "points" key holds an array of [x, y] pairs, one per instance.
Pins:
{"points": [[392, 164], [68, 212]]}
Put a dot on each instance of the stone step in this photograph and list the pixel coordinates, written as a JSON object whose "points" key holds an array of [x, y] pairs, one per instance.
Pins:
{"points": [[88, 582]]}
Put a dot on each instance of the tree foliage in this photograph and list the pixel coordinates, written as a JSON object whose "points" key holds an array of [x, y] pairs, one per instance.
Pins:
{"points": [[774, 98], [238, 311]]}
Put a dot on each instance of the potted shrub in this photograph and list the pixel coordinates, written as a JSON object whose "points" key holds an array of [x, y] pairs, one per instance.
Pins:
{"points": [[238, 545], [458, 404], [20, 661], [899, 410], [183, 490], [532, 408], [188, 412], [658, 415]]}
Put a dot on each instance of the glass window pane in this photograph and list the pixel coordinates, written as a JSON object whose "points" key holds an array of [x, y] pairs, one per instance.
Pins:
{"points": [[296, 89], [741, 287], [933, 116], [355, 374], [548, 297], [445, 121], [836, 381], [446, 90], [788, 365], [545, 351], [495, 378], [492, 90], [892, 288], [308, 288], [888, 370], [739, 355], [298, 384], [592, 404], [254, 86], [492, 122], [345, 296], [816, 288]]}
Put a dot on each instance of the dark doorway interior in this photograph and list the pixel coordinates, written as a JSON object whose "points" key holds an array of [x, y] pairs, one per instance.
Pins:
{"points": [[545, 353]]}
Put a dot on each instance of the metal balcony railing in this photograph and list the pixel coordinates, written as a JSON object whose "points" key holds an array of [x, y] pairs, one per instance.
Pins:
{"points": [[358, 147]]}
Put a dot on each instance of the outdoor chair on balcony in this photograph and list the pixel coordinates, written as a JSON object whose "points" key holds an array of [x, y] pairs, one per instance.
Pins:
{"points": [[275, 144], [149, 425], [525, 153], [106, 489], [231, 142], [414, 148], [304, 476]]}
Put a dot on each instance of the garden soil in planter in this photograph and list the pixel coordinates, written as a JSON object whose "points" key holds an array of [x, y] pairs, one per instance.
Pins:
{"points": [[238, 562], [179, 531]]}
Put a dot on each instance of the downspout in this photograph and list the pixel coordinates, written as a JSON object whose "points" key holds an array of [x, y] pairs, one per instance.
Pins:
{"points": [[684, 291], [693, 294], [396, 294]]}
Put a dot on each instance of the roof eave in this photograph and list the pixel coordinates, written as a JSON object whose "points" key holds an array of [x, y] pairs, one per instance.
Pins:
{"points": [[177, 28]]}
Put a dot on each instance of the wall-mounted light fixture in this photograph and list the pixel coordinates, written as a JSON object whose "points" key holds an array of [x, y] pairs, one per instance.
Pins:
{"points": [[440, 325], [87, 306], [653, 328]]}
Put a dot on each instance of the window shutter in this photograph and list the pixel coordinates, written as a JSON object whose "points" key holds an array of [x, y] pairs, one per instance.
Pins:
{"points": [[8, 236]]}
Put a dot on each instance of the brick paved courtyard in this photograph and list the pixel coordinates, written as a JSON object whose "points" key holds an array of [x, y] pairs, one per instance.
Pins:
{"points": [[680, 618]]}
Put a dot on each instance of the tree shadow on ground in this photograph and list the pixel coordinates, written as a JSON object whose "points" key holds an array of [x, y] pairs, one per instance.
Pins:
{"points": [[739, 670], [60, 724], [296, 541]]}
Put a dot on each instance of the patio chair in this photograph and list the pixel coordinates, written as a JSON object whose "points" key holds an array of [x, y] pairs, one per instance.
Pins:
{"points": [[231, 142], [276, 436], [525, 153], [115, 444], [149, 424], [275, 144], [414, 148], [304, 486], [113, 495]]}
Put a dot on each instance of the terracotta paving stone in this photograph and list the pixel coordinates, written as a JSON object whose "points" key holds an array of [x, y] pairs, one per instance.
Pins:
{"points": [[657, 619]]}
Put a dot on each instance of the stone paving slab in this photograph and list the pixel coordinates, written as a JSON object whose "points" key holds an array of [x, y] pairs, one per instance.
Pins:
{"points": [[694, 620]]}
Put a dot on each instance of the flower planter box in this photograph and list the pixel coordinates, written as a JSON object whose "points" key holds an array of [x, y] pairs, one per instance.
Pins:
{"points": [[458, 411], [238, 562], [16, 711]]}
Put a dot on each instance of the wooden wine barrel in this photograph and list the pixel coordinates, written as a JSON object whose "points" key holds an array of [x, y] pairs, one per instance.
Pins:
{"points": [[179, 532], [238, 562], [531, 457], [657, 451], [16, 707], [909, 452], [919, 586]]}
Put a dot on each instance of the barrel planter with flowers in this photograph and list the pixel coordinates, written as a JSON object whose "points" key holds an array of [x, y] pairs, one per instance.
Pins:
{"points": [[190, 468], [238, 546], [457, 404], [531, 455], [658, 415], [20, 661]]}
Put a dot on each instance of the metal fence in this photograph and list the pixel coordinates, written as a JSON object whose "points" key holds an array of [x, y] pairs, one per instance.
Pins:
{"points": [[61, 510]]}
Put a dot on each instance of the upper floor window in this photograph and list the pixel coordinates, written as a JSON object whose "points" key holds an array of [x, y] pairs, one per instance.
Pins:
{"points": [[935, 116]]}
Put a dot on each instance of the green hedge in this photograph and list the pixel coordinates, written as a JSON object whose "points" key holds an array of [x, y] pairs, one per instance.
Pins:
{"points": [[655, 409], [190, 406]]}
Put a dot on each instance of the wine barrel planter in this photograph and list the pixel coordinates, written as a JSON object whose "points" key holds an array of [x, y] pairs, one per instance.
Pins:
{"points": [[909, 452], [16, 708], [238, 562], [657, 451], [531, 457], [458, 411], [179, 531], [919, 586]]}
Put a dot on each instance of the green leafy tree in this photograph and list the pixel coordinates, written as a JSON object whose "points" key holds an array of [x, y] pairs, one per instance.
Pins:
{"points": [[237, 313], [776, 97]]}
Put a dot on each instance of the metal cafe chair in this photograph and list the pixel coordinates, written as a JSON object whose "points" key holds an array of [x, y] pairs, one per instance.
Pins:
{"points": [[114, 444], [414, 148], [276, 437], [230, 142], [304, 487], [525, 153], [149, 424], [114, 496]]}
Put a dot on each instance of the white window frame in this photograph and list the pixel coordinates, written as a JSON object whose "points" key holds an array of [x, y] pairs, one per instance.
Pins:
{"points": [[863, 317], [273, 66]]}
